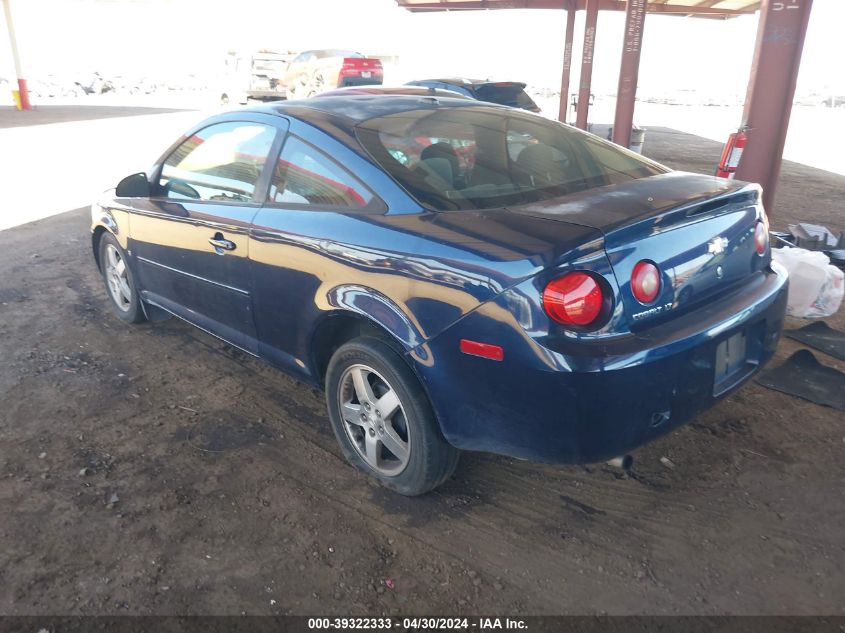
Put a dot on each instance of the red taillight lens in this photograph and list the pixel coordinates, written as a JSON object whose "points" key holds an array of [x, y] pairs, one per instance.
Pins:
{"points": [[645, 282], [761, 238], [574, 299]]}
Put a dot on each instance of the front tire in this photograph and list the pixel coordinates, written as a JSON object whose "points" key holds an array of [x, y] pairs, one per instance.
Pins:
{"points": [[383, 420], [316, 85], [119, 281]]}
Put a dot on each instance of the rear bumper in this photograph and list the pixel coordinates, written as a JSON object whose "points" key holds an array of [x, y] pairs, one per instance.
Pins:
{"points": [[600, 401], [357, 80]]}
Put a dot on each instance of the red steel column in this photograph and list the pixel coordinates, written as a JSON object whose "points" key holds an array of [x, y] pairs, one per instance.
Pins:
{"points": [[587, 64], [628, 72], [567, 65], [22, 90], [771, 88]]}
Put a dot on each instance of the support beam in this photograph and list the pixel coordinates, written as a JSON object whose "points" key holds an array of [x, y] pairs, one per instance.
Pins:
{"points": [[23, 93], [629, 71], [567, 65], [771, 88], [586, 78], [654, 6]]}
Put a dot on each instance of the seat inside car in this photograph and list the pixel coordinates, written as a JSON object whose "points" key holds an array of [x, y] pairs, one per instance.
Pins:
{"points": [[541, 166], [442, 149], [438, 172]]}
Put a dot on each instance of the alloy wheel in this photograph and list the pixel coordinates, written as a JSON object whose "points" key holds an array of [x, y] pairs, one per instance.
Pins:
{"points": [[317, 85], [374, 420], [117, 279]]}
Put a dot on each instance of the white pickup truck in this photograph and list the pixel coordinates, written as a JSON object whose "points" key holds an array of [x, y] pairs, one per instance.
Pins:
{"points": [[257, 75]]}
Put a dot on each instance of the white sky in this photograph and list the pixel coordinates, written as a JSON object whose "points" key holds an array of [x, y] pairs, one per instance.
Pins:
{"points": [[169, 38]]}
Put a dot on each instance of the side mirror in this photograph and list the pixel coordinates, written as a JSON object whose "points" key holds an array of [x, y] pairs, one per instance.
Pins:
{"points": [[134, 186]]}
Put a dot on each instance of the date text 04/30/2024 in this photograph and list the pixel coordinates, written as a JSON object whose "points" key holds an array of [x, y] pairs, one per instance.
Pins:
{"points": [[412, 624]]}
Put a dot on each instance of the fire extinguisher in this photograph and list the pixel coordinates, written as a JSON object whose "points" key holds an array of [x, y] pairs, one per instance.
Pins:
{"points": [[731, 154]]}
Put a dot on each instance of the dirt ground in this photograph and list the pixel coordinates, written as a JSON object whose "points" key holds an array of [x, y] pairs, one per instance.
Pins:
{"points": [[155, 470]]}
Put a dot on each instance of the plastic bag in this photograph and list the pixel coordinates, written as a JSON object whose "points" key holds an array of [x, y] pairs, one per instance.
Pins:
{"points": [[815, 287]]}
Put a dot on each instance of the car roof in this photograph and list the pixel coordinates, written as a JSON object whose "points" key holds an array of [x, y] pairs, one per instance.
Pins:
{"points": [[419, 91], [460, 81], [472, 83], [355, 109], [463, 81]]}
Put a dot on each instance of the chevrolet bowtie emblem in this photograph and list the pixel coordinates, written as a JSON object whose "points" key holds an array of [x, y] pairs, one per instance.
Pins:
{"points": [[717, 245]]}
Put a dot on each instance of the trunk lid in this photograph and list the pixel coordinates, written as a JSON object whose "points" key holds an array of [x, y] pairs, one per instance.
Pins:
{"points": [[699, 230], [357, 65]]}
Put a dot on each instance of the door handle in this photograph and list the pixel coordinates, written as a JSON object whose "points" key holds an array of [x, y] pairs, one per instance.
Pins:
{"points": [[220, 243]]}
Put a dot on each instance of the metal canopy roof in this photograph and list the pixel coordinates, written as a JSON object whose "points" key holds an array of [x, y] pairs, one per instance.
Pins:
{"points": [[721, 9]]}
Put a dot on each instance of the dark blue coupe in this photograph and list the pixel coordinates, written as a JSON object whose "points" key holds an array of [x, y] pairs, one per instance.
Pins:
{"points": [[455, 275]]}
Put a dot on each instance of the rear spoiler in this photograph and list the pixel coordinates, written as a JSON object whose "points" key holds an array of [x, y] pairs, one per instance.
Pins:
{"points": [[502, 84]]}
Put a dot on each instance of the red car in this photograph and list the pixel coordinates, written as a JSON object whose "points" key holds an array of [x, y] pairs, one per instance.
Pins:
{"points": [[312, 72]]}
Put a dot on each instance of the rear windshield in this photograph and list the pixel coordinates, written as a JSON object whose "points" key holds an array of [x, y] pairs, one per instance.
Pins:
{"points": [[483, 158], [511, 95]]}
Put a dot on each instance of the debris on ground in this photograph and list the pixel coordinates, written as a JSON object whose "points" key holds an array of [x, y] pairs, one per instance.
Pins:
{"points": [[816, 287], [822, 337], [802, 375], [815, 237]]}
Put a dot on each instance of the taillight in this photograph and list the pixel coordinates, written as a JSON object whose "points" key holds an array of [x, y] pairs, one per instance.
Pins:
{"points": [[761, 237], [574, 299], [348, 67], [645, 282]]}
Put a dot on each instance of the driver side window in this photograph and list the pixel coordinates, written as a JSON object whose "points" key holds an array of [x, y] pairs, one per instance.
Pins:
{"points": [[220, 163]]}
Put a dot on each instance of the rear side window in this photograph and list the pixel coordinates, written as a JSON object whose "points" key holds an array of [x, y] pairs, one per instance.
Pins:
{"points": [[481, 157], [307, 176], [220, 163]]}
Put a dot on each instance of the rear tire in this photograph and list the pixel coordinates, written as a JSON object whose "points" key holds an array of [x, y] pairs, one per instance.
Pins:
{"points": [[383, 420], [119, 281]]}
